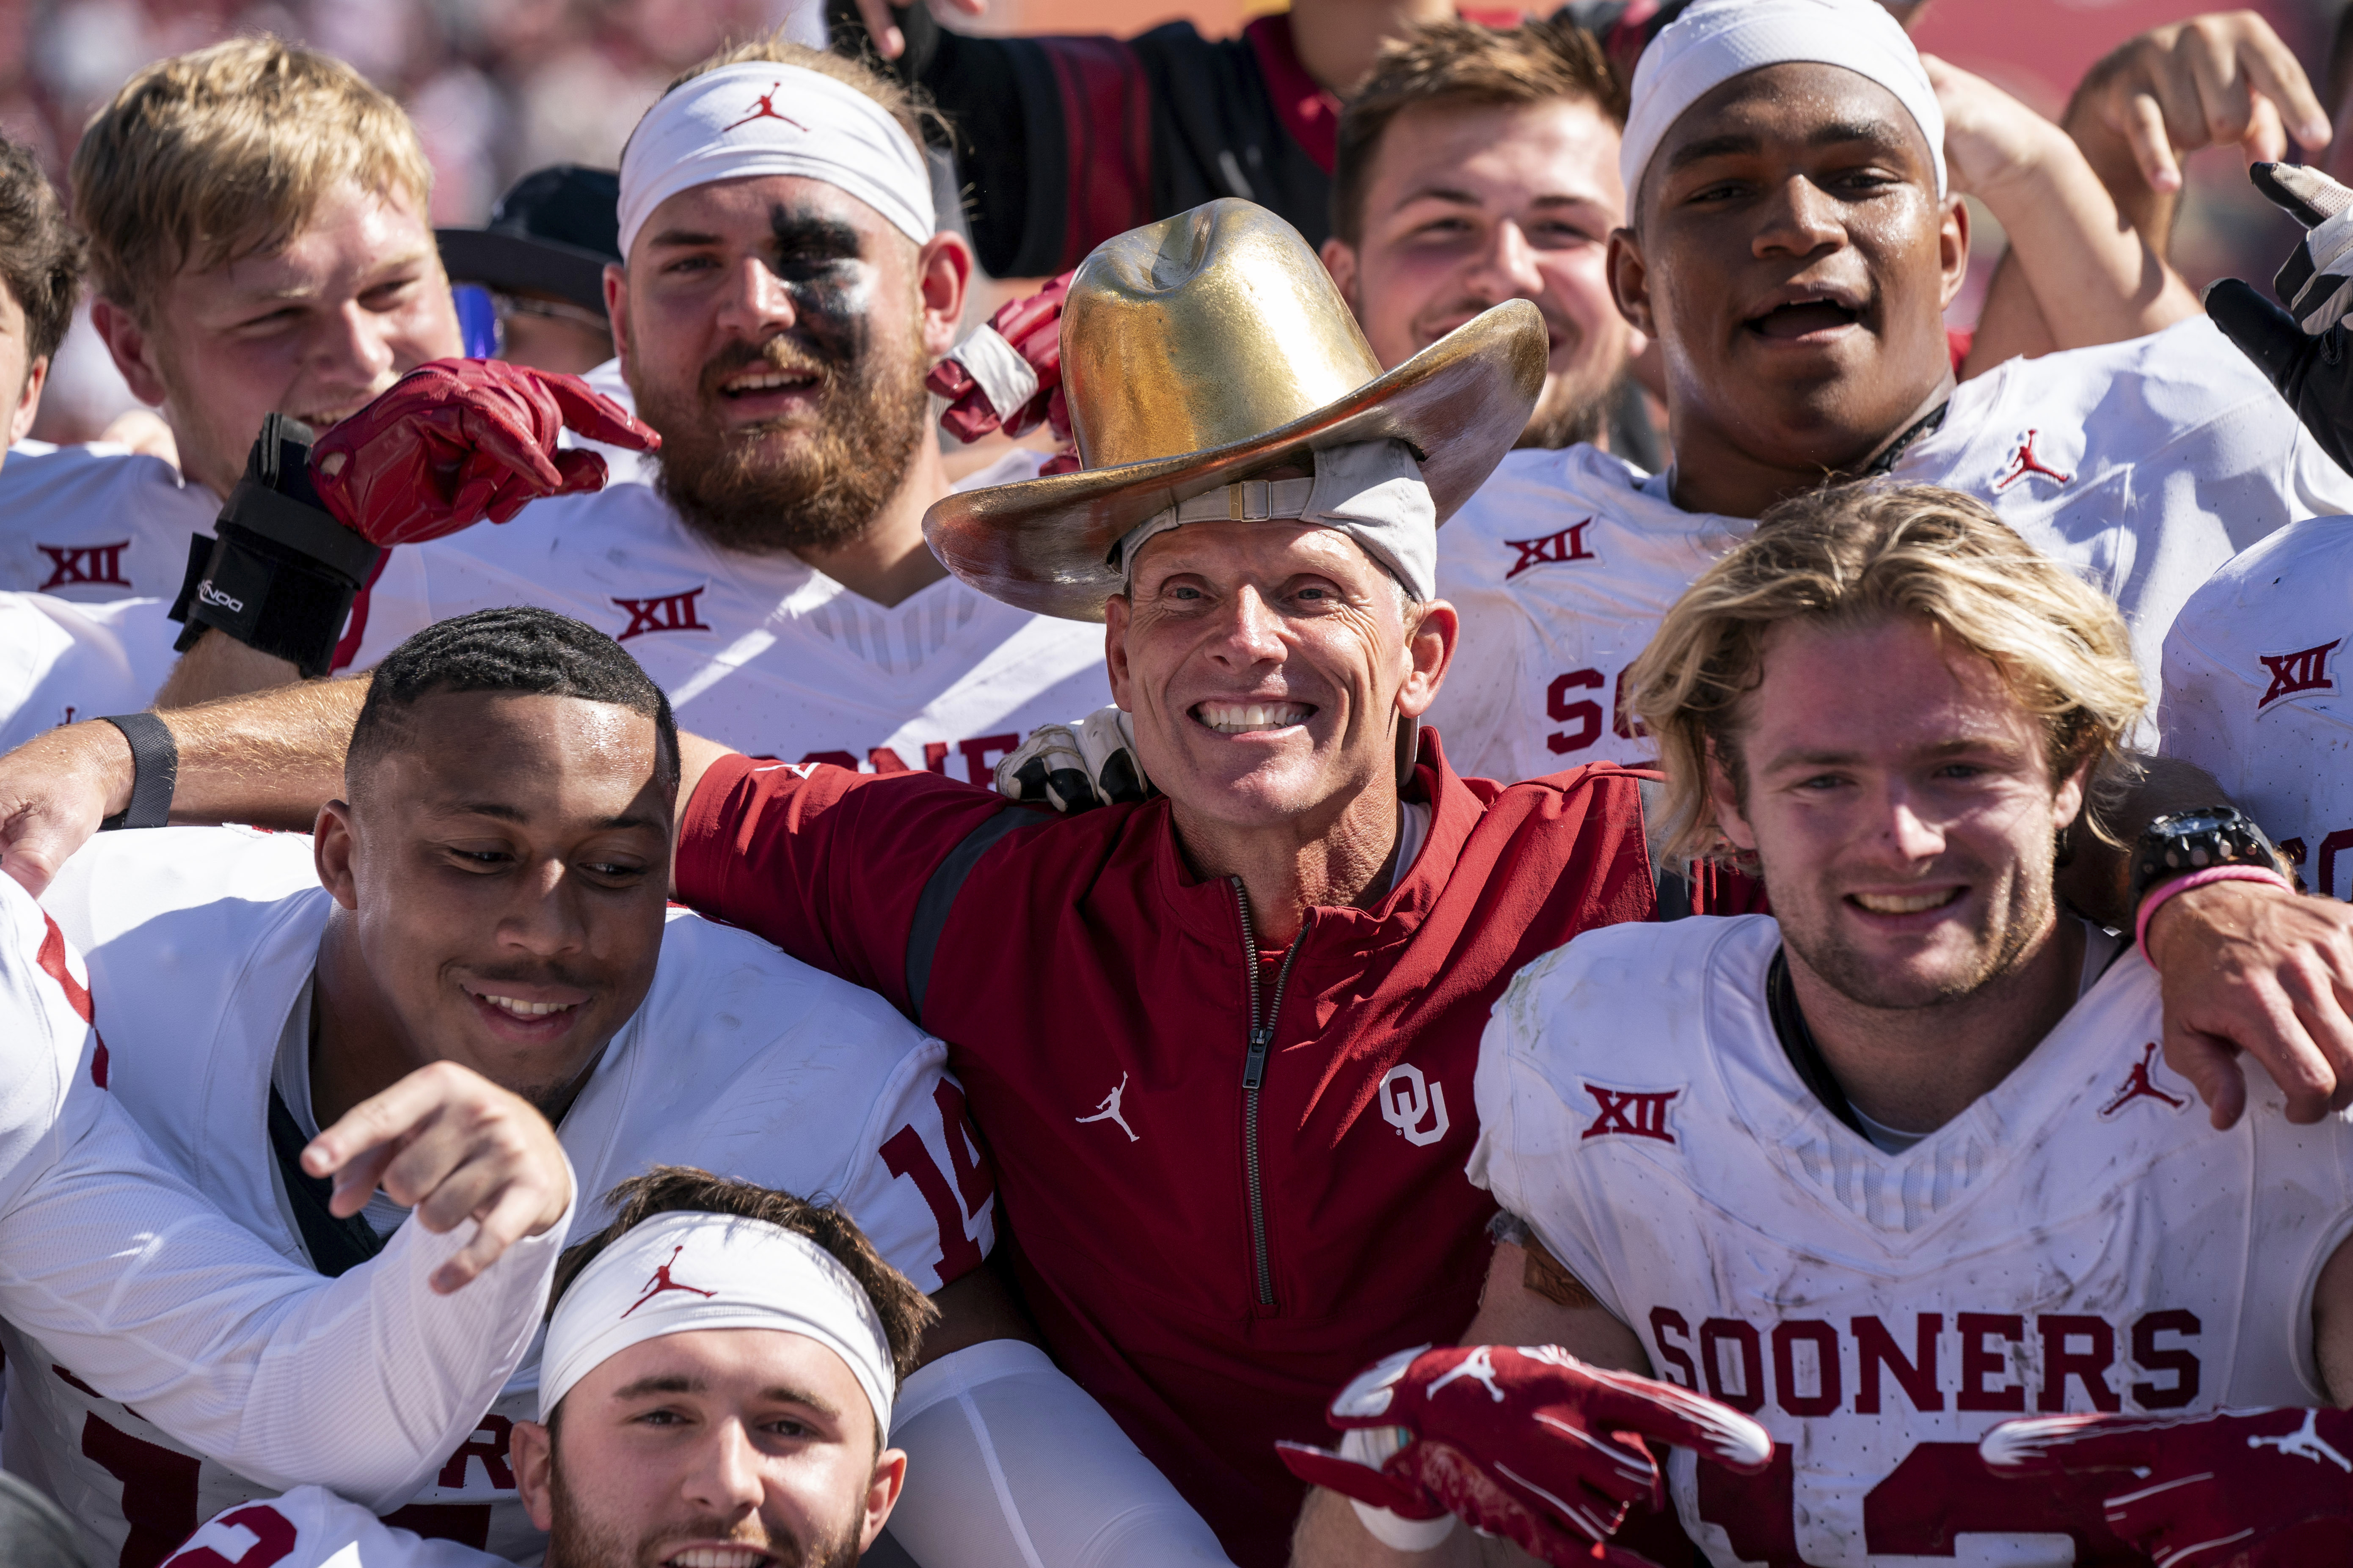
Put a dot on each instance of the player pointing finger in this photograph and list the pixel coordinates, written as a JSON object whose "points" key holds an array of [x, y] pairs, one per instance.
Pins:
{"points": [[450, 1146]]}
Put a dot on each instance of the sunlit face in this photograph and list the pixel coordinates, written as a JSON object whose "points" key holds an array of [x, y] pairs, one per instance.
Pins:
{"points": [[1467, 205], [1906, 822], [1793, 261], [776, 331], [714, 1448], [1266, 665], [506, 866], [353, 301]]}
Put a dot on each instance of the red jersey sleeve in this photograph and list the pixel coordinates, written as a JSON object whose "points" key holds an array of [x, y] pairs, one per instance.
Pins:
{"points": [[829, 864]]}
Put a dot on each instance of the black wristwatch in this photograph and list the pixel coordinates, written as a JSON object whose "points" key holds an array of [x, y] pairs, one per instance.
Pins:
{"points": [[2198, 839]]}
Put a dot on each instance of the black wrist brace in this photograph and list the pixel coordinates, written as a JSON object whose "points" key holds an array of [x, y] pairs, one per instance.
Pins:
{"points": [[282, 573]]}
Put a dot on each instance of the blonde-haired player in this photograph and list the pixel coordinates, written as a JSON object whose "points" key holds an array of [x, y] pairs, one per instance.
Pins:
{"points": [[257, 242], [1903, 1159]]}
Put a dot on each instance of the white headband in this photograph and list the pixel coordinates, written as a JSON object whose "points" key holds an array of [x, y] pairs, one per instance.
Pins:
{"points": [[1370, 491], [761, 118], [681, 1272], [1716, 40]]}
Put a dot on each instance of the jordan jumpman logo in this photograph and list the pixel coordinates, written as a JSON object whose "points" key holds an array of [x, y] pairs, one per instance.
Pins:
{"points": [[1479, 1367], [661, 1281], [2024, 463], [2137, 1085], [1108, 1112], [2305, 1443], [765, 107]]}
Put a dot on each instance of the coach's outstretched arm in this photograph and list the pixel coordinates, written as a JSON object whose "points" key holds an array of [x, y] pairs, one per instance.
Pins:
{"points": [[270, 760]]}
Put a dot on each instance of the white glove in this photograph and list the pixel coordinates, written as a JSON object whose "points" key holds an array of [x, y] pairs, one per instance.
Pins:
{"points": [[1075, 768], [2316, 282]]}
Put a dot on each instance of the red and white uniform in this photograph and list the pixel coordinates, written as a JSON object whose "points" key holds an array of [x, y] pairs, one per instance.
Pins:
{"points": [[115, 1266], [60, 662], [739, 1061], [2144, 466], [97, 521], [310, 1527], [2256, 692], [2079, 1238], [762, 652]]}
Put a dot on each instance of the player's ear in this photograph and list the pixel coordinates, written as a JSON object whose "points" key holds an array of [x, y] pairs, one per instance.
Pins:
{"points": [[943, 274], [1953, 248], [132, 349], [2067, 801], [332, 851], [616, 310], [28, 400], [531, 1452], [1340, 260], [1629, 281], [881, 1493], [1723, 800]]}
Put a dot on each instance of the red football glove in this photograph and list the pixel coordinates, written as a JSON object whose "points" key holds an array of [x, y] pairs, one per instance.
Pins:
{"points": [[459, 440], [1528, 1444], [1009, 374], [2263, 1488]]}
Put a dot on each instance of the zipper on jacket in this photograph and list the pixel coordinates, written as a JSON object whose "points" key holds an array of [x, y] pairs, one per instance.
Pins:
{"points": [[1261, 1040]]}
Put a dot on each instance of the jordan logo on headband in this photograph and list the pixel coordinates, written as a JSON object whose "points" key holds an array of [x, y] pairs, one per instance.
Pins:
{"points": [[765, 107], [662, 1281]]}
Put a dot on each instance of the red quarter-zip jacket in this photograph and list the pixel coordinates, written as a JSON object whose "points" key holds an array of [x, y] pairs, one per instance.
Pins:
{"points": [[1216, 1226]]}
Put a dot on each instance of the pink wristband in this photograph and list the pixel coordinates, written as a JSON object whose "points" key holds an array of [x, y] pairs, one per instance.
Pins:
{"points": [[2164, 891]]}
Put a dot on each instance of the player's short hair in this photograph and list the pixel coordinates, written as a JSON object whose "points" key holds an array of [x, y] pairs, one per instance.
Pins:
{"points": [[1539, 61], [1852, 556], [775, 48], [521, 651], [226, 153], [40, 255], [905, 1311]]}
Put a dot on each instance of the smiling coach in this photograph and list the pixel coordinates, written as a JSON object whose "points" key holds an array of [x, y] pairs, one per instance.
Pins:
{"points": [[1275, 973]]}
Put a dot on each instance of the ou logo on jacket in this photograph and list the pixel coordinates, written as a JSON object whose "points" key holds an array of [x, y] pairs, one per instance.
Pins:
{"points": [[1406, 1098]]}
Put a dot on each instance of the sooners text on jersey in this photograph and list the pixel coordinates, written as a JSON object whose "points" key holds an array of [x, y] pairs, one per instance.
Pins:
{"points": [[2079, 1239]]}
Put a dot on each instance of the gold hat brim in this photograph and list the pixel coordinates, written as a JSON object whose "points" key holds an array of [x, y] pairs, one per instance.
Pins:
{"points": [[1045, 544]]}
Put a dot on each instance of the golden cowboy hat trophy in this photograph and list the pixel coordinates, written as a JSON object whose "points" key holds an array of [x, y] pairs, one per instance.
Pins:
{"points": [[1202, 347]]}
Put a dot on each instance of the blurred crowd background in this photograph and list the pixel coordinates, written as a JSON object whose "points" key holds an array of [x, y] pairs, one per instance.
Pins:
{"points": [[501, 87]]}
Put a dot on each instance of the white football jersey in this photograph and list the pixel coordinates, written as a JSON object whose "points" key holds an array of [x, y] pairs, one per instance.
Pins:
{"points": [[2144, 466], [113, 1264], [310, 1527], [2080, 1239], [2254, 694], [741, 1060], [97, 521], [60, 662], [762, 652]]}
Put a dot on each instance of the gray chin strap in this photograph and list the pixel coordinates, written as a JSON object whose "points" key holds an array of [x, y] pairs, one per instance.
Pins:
{"points": [[1409, 747]]}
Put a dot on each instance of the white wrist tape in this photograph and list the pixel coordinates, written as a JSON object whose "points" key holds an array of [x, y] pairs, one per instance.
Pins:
{"points": [[1372, 1446], [1004, 377]]}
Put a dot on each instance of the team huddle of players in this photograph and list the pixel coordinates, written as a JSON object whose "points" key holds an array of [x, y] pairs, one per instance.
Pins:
{"points": [[817, 1150]]}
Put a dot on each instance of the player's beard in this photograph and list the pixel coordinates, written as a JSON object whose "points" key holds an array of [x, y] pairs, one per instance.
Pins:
{"points": [[2017, 916], [767, 488], [1568, 412], [1575, 403], [575, 1539]]}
